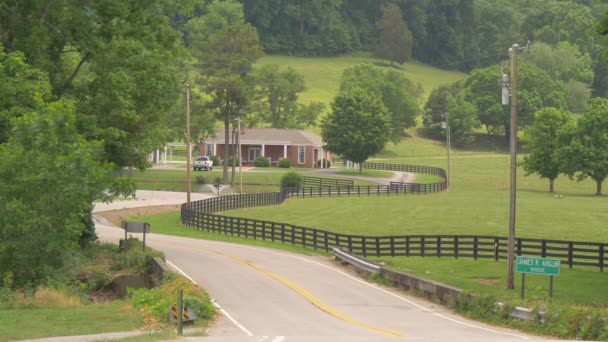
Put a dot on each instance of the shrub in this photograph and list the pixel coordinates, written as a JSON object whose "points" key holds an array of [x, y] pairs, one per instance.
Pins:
{"points": [[284, 163], [154, 302], [230, 159], [291, 180], [262, 162], [215, 160], [326, 164], [201, 180], [135, 257]]}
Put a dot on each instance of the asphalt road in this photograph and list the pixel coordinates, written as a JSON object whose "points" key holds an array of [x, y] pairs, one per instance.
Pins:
{"points": [[275, 296]]}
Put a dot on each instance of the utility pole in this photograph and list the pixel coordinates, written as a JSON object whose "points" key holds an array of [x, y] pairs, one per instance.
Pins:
{"points": [[240, 156], [188, 150], [513, 140]]}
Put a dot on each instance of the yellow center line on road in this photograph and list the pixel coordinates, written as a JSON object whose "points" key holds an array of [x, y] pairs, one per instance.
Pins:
{"points": [[302, 291]]}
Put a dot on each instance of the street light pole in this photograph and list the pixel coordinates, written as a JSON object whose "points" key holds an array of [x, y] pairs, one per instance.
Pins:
{"points": [[188, 156], [513, 140]]}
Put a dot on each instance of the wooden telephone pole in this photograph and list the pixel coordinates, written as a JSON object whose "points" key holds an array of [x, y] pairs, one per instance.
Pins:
{"points": [[513, 142]]}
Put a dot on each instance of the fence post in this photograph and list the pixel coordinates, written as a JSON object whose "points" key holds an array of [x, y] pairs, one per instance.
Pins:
{"points": [[570, 252], [518, 246], [314, 238], [326, 242], [282, 233], [439, 246], [363, 247], [601, 257], [350, 243], [543, 249], [422, 246], [475, 248], [496, 249], [392, 246], [407, 246], [377, 246], [456, 247]]}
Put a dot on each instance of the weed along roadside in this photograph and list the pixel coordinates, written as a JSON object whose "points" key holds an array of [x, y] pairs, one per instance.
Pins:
{"points": [[129, 291]]}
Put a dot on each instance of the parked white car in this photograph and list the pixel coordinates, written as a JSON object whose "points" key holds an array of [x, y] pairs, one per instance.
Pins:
{"points": [[203, 163]]}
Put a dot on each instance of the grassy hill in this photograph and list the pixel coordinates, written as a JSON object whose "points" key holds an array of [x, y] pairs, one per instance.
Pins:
{"points": [[322, 74]]}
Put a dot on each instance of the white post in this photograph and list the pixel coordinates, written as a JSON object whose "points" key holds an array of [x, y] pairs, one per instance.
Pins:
{"points": [[284, 151], [215, 149], [263, 150], [165, 156]]}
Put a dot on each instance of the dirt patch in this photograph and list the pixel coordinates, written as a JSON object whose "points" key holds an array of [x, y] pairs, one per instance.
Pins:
{"points": [[116, 216]]}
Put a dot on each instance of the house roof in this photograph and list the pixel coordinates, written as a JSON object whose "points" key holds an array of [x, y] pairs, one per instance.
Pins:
{"points": [[271, 136]]}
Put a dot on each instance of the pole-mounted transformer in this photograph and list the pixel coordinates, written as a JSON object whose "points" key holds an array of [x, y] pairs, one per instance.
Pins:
{"points": [[506, 89]]}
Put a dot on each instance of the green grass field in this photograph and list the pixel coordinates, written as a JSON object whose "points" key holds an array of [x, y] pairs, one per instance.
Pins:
{"points": [[81, 320], [323, 74]]}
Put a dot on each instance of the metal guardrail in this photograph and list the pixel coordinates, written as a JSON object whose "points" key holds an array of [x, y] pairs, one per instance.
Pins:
{"points": [[357, 262]]}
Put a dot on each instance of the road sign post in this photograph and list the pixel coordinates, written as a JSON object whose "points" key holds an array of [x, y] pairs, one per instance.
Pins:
{"points": [[135, 227], [542, 266]]}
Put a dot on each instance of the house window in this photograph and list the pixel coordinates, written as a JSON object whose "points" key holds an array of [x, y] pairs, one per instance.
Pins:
{"points": [[209, 149], [301, 154]]}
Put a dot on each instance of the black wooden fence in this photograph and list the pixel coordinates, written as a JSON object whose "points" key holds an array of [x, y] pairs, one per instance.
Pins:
{"points": [[200, 215], [320, 182]]}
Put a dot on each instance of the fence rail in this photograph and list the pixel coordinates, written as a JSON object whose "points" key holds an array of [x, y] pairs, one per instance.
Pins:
{"points": [[319, 182], [201, 215]]}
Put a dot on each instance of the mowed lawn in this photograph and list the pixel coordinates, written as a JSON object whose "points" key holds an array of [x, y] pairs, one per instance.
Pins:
{"points": [[477, 203], [323, 74]]}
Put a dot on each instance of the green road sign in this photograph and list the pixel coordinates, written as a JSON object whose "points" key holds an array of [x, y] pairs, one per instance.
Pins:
{"points": [[546, 266]]}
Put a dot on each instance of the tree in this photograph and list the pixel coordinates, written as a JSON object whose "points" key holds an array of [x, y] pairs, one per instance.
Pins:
{"points": [[450, 101], [357, 127], [395, 39], [542, 139], [399, 95], [462, 119], [118, 61], [278, 93], [22, 89], [535, 91], [584, 150], [225, 48], [55, 175]]}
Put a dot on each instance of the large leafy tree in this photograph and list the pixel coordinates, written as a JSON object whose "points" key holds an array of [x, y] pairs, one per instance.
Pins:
{"points": [[51, 175], [278, 93], [400, 96], [542, 139], [584, 151], [358, 125], [224, 48], [395, 39], [535, 91], [117, 60]]}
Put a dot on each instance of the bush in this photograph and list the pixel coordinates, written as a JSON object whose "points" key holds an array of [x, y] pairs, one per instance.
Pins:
{"points": [[201, 180], [230, 159], [291, 180], [262, 162], [284, 163], [155, 302], [326, 164], [215, 160]]}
